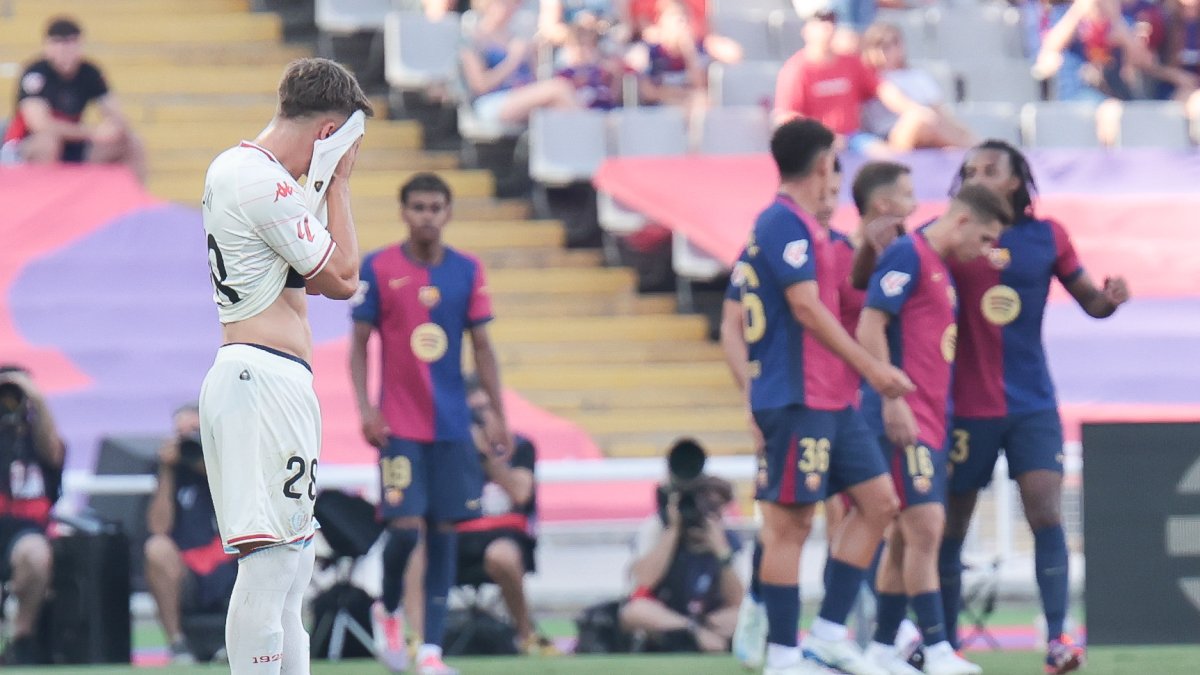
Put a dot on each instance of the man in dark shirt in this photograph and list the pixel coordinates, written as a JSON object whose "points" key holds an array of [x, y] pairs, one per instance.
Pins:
{"points": [[187, 568], [51, 97]]}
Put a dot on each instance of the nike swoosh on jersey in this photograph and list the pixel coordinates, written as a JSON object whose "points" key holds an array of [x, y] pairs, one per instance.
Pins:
{"points": [[397, 283]]}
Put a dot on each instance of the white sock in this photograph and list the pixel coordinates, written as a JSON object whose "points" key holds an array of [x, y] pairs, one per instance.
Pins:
{"points": [[254, 626], [828, 630], [427, 650], [295, 638], [782, 656]]}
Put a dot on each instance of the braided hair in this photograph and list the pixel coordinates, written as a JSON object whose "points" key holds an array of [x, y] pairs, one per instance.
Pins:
{"points": [[1022, 199]]}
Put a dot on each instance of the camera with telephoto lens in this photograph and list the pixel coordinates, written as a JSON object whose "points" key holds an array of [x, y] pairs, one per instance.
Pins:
{"points": [[699, 496], [190, 450]]}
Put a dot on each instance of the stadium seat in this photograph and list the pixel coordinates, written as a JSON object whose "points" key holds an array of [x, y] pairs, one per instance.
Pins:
{"points": [[751, 31], [419, 52], [787, 36], [692, 264], [1059, 124], [640, 132], [992, 120], [346, 17], [1154, 124], [972, 31], [735, 130], [997, 80], [746, 83], [565, 146], [943, 73]]}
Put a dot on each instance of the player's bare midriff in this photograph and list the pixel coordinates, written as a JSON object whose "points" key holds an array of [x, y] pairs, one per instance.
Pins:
{"points": [[283, 326]]}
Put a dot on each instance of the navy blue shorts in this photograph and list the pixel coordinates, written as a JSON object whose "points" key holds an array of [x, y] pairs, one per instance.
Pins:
{"points": [[1030, 441], [441, 480], [919, 472], [811, 454]]}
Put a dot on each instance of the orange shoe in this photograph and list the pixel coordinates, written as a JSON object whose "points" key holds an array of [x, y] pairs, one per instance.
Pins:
{"points": [[1063, 655]]}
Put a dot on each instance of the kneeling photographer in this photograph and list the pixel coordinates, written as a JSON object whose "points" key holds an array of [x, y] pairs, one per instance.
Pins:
{"points": [[31, 461], [686, 591], [187, 569]]}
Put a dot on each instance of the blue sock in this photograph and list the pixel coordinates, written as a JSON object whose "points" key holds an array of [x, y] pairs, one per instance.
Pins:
{"points": [[783, 613], [755, 563], [950, 571], [1050, 560], [841, 590], [889, 612], [928, 608], [396, 552], [441, 552]]}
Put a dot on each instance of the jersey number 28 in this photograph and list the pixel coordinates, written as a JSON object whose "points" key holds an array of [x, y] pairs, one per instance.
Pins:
{"points": [[297, 464]]}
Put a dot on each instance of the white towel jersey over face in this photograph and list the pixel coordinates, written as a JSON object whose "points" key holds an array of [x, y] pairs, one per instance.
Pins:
{"points": [[258, 228]]}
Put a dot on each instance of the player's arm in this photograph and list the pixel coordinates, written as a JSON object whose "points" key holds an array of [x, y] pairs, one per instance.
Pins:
{"points": [[40, 118], [877, 235], [374, 429], [487, 368], [1099, 302], [894, 99], [733, 342], [898, 421], [339, 277], [810, 312], [651, 566]]}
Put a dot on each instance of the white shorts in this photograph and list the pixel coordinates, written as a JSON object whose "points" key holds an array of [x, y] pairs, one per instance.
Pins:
{"points": [[260, 424]]}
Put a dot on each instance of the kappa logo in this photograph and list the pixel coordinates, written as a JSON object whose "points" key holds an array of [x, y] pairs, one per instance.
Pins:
{"points": [[318, 185], [796, 253], [893, 283], [283, 190]]}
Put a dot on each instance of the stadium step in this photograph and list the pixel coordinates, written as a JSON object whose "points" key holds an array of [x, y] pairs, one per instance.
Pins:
{"points": [[568, 353], [658, 397], [215, 137], [507, 306], [87, 9], [171, 161], [560, 281], [604, 332], [26, 30], [617, 376]]}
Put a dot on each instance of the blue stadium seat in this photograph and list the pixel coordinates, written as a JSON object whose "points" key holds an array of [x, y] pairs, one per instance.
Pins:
{"points": [[566, 146], [1059, 124], [1154, 124], [419, 52]]}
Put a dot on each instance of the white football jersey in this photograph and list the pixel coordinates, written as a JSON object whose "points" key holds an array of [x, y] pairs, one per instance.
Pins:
{"points": [[258, 228]]}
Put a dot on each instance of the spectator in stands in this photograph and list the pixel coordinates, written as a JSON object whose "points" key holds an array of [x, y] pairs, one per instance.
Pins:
{"points": [[434, 10], [1087, 48], [672, 62], [883, 50], [686, 593], [596, 78], [51, 97], [1181, 50], [641, 14], [556, 16], [31, 461], [499, 70], [818, 83], [187, 568]]}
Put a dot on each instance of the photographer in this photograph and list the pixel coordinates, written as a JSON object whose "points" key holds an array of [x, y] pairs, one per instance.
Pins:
{"points": [[31, 460], [187, 568], [686, 592]]}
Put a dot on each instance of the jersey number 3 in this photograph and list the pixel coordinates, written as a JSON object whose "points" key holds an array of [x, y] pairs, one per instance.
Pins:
{"points": [[216, 264]]}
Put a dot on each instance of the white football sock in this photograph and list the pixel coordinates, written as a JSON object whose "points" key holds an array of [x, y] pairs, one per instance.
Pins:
{"points": [[295, 638], [254, 626], [781, 656]]}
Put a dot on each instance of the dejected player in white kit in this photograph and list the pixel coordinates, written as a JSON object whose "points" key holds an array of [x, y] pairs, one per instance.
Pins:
{"points": [[260, 420]]}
